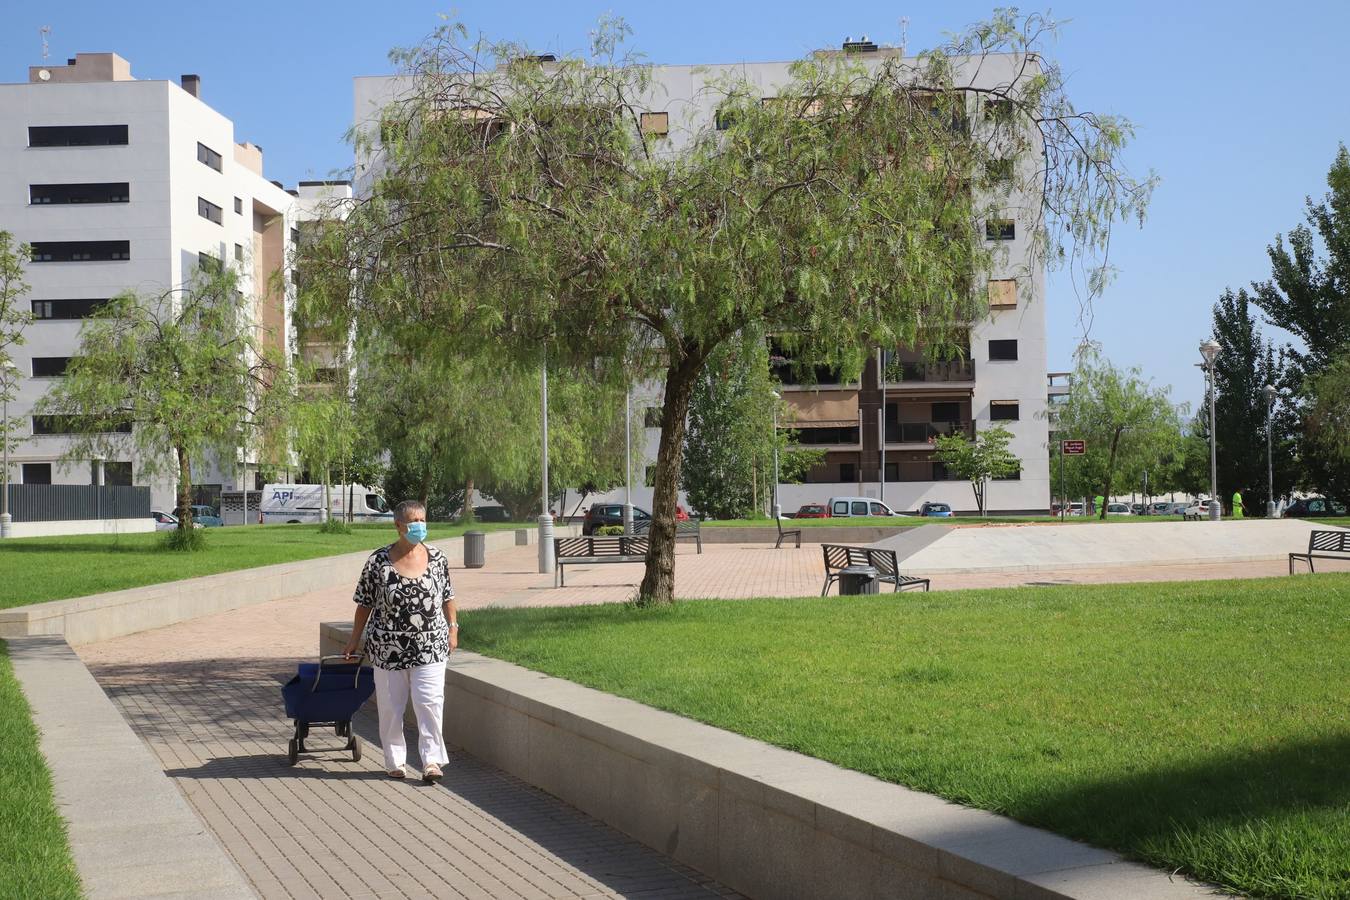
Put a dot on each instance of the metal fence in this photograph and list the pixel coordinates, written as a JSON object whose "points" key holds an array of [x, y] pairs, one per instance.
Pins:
{"points": [[68, 502]]}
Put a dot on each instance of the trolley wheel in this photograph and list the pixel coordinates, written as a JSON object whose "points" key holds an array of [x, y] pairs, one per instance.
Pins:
{"points": [[293, 751], [354, 745]]}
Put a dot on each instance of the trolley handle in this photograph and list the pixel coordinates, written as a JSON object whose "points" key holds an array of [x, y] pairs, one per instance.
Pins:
{"points": [[324, 660]]}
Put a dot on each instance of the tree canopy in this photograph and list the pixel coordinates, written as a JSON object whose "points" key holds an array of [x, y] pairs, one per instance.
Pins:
{"points": [[13, 320], [532, 211], [980, 460]]}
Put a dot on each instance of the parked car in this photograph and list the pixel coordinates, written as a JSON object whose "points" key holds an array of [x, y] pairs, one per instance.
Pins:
{"points": [[1314, 506], [1197, 509], [207, 516], [812, 511], [847, 507], [491, 514], [1118, 509], [601, 514], [1161, 508], [1138, 509], [167, 521], [1076, 509], [935, 510]]}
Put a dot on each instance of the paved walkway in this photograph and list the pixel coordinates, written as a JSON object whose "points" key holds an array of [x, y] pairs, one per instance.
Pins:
{"points": [[204, 696]]}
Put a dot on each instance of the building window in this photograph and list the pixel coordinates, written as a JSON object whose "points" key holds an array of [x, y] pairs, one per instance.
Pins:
{"points": [[651, 417], [76, 135], [725, 119], [63, 194], [50, 366], [117, 474], [212, 265], [295, 237], [1003, 350], [944, 411], [1000, 230], [1003, 293], [1015, 476], [37, 473], [208, 156], [848, 472], [208, 210], [66, 309], [238, 207], [238, 252], [80, 251], [1004, 411], [75, 425], [655, 124]]}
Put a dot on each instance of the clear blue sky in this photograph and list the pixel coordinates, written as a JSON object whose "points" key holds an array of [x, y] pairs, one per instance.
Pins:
{"points": [[1239, 106]]}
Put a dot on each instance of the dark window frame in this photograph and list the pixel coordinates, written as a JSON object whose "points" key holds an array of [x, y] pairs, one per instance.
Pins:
{"points": [[1004, 346], [49, 366], [45, 136], [1000, 230], [79, 194], [68, 310], [58, 425], [80, 251], [1004, 407], [210, 158], [238, 206], [209, 211], [25, 467]]}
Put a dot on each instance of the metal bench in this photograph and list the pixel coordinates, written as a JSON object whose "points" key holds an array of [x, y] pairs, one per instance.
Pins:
{"points": [[596, 550], [839, 557], [790, 533], [1323, 545], [685, 530]]}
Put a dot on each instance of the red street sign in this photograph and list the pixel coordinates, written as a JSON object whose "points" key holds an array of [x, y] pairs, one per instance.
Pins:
{"points": [[1073, 448]]}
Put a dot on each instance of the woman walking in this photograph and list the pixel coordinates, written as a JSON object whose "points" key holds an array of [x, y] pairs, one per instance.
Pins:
{"points": [[406, 613]]}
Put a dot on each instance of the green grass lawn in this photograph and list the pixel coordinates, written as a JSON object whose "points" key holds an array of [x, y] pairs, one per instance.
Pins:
{"points": [[34, 855], [1202, 726], [33, 570]]}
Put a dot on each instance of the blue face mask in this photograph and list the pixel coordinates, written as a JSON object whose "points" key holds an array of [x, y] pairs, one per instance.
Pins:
{"points": [[417, 532]]}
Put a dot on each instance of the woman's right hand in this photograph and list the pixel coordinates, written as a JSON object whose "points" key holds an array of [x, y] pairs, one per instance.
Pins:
{"points": [[350, 650]]}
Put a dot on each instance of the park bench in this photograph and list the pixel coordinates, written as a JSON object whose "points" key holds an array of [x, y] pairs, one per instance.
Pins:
{"points": [[596, 550], [790, 533], [685, 530], [1323, 545], [839, 557]]}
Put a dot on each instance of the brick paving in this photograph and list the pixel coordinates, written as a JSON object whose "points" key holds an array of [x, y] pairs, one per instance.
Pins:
{"points": [[204, 696]]}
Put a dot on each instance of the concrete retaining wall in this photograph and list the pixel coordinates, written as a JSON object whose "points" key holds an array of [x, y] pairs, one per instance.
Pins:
{"points": [[81, 526], [768, 822], [131, 832], [98, 617]]}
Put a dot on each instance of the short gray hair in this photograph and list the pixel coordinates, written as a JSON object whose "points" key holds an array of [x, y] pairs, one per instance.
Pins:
{"points": [[408, 506]]}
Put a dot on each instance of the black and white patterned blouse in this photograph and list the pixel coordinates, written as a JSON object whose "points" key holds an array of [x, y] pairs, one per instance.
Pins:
{"points": [[406, 627]]}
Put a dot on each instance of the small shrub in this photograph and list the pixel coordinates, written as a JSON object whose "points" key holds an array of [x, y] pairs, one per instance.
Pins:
{"points": [[335, 526], [609, 529], [184, 541]]}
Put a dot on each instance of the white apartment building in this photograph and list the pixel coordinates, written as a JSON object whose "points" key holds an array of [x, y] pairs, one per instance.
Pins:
{"points": [[1001, 380], [120, 184]]}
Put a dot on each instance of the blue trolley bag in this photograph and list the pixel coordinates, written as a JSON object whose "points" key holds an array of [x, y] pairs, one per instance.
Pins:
{"points": [[328, 692]]}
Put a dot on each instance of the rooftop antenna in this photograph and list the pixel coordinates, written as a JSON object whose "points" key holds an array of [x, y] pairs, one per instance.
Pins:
{"points": [[45, 30], [904, 34]]}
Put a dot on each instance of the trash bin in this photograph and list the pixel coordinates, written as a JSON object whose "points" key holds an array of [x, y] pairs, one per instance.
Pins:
{"points": [[475, 549], [855, 580]]}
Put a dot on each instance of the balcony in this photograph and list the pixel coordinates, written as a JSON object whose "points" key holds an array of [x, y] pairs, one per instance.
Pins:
{"points": [[926, 432], [930, 372]]}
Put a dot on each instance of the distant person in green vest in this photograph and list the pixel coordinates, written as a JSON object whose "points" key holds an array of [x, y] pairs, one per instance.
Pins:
{"points": [[1098, 504], [1237, 504]]}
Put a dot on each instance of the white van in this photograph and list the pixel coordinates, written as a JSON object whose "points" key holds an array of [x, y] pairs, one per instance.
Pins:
{"points": [[845, 507], [294, 503]]}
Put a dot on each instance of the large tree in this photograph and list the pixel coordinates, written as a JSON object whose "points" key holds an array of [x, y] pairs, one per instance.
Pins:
{"points": [[1243, 368], [175, 377], [1308, 295], [1127, 422], [13, 319], [847, 211]]}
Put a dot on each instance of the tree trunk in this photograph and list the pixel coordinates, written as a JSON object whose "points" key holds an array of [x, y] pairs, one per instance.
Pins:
{"points": [[184, 490], [1110, 470], [658, 584], [466, 515]]}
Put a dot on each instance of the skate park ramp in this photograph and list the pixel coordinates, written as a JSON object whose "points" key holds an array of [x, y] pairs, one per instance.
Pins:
{"points": [[1035, 547]]}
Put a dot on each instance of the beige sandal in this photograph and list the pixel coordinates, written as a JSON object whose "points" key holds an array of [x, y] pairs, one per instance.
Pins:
{"points": [[432, 774], [397, 773]]}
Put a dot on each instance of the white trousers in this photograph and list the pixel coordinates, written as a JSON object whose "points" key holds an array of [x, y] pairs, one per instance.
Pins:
{"points": [[426, 684]]}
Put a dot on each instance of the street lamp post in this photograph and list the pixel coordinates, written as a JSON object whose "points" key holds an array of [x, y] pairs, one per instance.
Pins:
{"points": [[628, 460], [545, 517], [775, 509], [8, 370], [1209, 351], [1270, 463]]}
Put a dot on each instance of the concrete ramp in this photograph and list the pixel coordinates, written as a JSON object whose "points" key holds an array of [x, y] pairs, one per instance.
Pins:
{"points": [[1030, 548]]}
